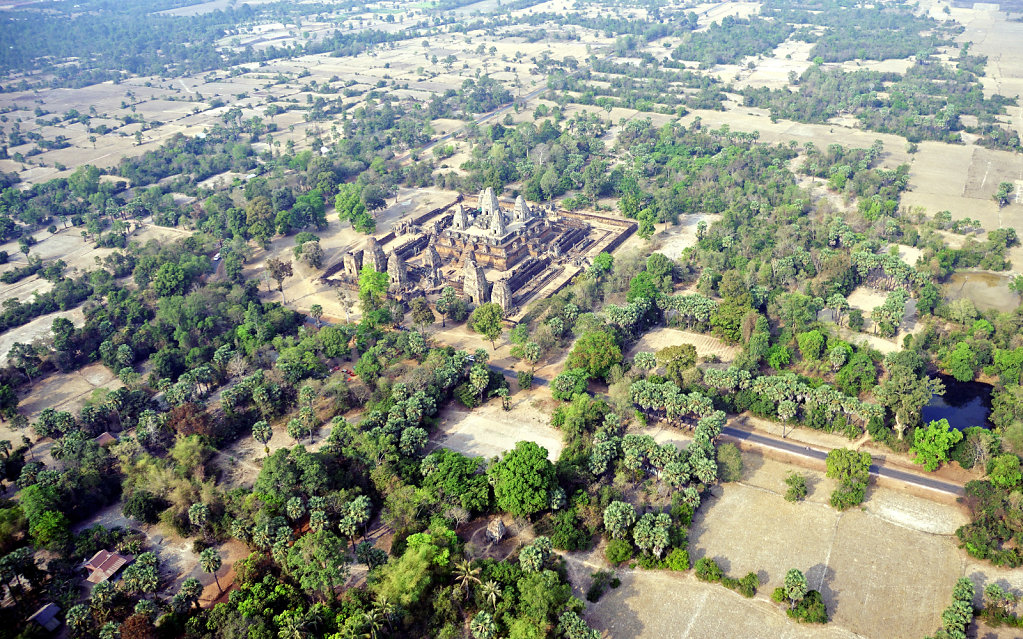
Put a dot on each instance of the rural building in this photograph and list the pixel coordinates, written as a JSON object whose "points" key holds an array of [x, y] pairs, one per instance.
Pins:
{"points": [[47, 617], [104, 565]]}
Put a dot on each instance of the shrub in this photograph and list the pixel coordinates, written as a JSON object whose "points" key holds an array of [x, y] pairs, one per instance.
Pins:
{"points": [[525, 380], [602, 580], [567, 531], [466, 396], [810, 610], [569, 383], [708, 570], [796, 483], [143, 506], [778, 596], [729, 462], [747, 586], [678, 560], [618, 551], [849, 493]]}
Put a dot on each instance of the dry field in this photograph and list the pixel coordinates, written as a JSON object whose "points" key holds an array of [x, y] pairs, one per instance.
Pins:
{"points": [[488, 430], [885, 570], [66, 391], [706, 346]]}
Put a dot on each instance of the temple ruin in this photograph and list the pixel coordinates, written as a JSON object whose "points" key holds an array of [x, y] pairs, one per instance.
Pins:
{"points": [[507, 254]]}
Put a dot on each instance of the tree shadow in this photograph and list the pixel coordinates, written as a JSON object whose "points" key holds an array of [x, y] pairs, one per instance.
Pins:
{"points": [[751, 463], [820, 578], [613, 615]]}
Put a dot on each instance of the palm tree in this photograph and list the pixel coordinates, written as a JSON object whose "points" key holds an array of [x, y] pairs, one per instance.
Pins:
{"points": [[262, 433], [210, 561], [491, 591], [294, 627], [374, 621], [465, 575]]}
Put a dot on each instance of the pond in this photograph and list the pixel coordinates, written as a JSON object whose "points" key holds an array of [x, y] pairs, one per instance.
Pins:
{"points": [[964, 404], [987, 291]]}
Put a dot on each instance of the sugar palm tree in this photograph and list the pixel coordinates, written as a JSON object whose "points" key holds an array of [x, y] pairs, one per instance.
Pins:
{"points": [[210, 561], [466, 574], [262, 433], [491, 591]]}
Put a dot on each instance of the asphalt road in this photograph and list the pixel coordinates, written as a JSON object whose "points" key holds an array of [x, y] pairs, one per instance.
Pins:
{"points": [[774, 443], [813, 453]]}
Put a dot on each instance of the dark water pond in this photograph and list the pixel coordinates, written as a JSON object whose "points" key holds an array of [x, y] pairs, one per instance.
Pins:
{"points": [[964, 404]]}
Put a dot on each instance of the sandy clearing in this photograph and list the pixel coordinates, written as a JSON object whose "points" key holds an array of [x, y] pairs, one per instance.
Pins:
{"points": [[706, 346], [37, 329], [674, 239], [66, 391], [488, 430]]}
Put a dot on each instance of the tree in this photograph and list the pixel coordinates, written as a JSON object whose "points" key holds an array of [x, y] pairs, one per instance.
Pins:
{"points": [[534, 557], [796, 483], [297, 429], [316, 312], [482, 625], [198, 515], [446, 304], [596, 352], [78, 619], [960, 362], [372, 287], [569, 383], [905, 394], [1004, 193], [142, 576], [169, 280], [653, 533], [523, 479], [466, 575], [191, 589], [24, 357], [210, 561], [279, 271], [262, 433], [1005, 471], [852, 469], [491, 592], [422, 314], [318, 562], [619, 516], [932, 443], [796, 587], [487, 321]]}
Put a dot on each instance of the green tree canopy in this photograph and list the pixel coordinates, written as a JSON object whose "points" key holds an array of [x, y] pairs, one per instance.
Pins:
{"points": [[523, 480]]}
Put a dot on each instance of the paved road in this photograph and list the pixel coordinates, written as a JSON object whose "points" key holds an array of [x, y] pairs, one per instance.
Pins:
{"points": [[774, 443], [813, 453]]}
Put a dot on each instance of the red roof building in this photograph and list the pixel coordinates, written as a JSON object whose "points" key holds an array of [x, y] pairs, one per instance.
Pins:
{"points": [[104, 565]]}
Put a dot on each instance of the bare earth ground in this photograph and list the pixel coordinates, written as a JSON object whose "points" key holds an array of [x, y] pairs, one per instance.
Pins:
{"points": [[66, 391], [177, 561], [675, 239], [488, 430], [37, 329], [658, 338]]}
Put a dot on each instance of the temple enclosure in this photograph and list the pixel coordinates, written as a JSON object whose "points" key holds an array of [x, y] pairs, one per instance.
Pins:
{"points": [[488, 252]]}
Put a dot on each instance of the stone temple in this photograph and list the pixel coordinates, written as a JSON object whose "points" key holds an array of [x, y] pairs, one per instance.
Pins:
{"points": [[508, 255]]}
